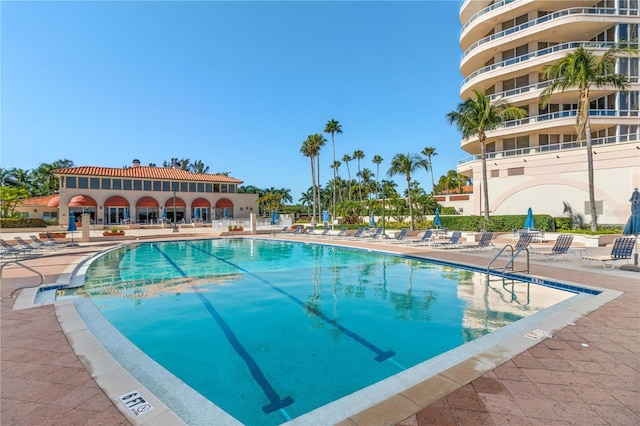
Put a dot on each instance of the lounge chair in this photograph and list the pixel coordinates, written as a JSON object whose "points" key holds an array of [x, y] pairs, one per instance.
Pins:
{"points": [[357, 234], [622, 250], [52, 239], [22, 244], [377, 234], [14, 251], [400, 238], [341, 234], [560, 248], [44, 244], [523, 241], [483, 243], [427, 238], [454, 241], [313, 232]]}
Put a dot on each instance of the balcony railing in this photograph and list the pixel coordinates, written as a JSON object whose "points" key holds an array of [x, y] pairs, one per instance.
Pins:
{"points": [[541, 20], [552, 147], [485, 11], [519, 90], [567, 113], [539, 53]]}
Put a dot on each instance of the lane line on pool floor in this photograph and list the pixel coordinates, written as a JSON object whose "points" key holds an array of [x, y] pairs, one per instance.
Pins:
{"points": [[276, 402], [380, 354]]}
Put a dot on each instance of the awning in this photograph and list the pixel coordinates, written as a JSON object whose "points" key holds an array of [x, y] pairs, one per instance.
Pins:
{"points": [[82, 201], [223, 202], [147, 202], [201, 202], [179, 202], [116, 201]]}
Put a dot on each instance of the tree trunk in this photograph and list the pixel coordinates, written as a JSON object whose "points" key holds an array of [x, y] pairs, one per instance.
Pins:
{"points": [[484, 177], [319, 191], [333, 149], [313, 188], [410, 204], [592, 195]]}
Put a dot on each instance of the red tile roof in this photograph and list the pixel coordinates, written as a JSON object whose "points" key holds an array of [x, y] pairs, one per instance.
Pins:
{"points": [[37, 201], [146, 172]]}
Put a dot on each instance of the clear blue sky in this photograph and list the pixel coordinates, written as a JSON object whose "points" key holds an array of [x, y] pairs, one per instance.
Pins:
{"points": [[237, 85]]}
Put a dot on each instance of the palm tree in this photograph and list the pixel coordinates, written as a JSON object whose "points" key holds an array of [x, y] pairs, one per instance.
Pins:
{"points": [[346, 158], [477, 116], [198, 167], [306, 198], [309, 149], [358, 155], [319, 141], [430, 152], [580, 70], [377, 160], [333, 127], [402, 164]]}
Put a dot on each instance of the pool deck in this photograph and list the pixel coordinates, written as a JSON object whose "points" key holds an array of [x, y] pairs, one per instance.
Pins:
{"points": [[588, 372]]}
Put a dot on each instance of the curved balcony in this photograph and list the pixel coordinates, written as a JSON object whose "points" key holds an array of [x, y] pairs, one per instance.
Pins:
{"points": [[484, 11], [564, 47], [586, 11], [547, 148]]}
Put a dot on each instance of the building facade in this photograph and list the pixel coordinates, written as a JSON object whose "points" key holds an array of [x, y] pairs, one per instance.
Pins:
{"points": [[142, 195], [537, 161]]}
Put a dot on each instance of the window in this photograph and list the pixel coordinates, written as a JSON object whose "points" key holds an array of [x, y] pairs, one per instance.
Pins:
{"points": [[166, 186], [223, 187], [183, 186], [192, 187], [71, 182], [137, 185], [157, 185], [208, 187], [94, 183], [146, 185], [232, 189], [200, 187], [106, 183], [515, 171], [83, 182], [126, 184], [216, 187], [117, 183]]}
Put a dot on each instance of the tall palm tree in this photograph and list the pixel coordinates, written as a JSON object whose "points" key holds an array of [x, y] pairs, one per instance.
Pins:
{"points": [[581, 70], [478, 115], [346, 158], [402, 164], [310, 149], [333, 127], [429, 153], [358, 155], [319, 141], [377, 160]]}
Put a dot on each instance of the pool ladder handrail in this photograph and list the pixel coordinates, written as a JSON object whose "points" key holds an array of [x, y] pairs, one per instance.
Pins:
{"points": [[511, 259], [26, 267]]}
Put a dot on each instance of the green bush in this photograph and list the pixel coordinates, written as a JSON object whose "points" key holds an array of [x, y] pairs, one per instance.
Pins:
{"points": [[22, 223]]}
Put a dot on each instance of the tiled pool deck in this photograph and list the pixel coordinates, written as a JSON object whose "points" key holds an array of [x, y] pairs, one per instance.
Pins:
{"points": [[587, 373]]}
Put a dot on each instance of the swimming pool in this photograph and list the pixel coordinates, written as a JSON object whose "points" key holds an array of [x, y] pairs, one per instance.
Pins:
{"points": [[271, 330]]}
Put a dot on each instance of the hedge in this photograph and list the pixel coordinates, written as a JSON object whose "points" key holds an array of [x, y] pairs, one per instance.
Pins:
{"points": [[22, 223]]}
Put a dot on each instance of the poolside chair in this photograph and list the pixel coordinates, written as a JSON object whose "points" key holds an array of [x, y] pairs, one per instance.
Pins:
{"points": [[15, 251], [560, 248], [523, 241], [377, 234], [483, 243], [427, 238], [357, 234], [22, 244], [622, 250], [52, 239], [400, 238], [43, 244], [454, 241], [341, 234]]}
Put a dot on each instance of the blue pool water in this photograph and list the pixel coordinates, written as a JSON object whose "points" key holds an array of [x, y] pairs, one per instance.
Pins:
{"points": [[271, 330]]}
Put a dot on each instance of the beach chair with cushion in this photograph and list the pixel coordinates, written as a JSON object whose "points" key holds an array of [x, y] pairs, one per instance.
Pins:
{"points": [[52, 239], [341, 234], [622, 250], [454, 241], [483, 243], [560, 248], [357, 234], [14, 251], [376, 234], [44, 244]]}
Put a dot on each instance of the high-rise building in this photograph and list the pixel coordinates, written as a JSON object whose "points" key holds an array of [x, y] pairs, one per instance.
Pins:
{"points": [[538, 161]]}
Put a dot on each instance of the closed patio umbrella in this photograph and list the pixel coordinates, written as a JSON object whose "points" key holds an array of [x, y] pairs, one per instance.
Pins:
{"points": [[528, 223], [72, 226], [372, 220], [436, 220], [633, 227], [273, 217]]}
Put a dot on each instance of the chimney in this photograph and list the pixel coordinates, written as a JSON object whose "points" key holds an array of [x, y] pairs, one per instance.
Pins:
{"points": [[176, 166], [135, 163]]}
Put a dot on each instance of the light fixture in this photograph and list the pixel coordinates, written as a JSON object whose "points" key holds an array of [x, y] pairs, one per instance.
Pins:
{"points": [[595, 152], [557, 156], [525, 160]]}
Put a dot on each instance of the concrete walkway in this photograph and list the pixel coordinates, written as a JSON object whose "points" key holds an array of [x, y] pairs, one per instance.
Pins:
{"points": [[587, 373]]}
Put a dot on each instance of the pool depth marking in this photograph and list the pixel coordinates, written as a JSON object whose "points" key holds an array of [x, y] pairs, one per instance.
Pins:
{"points": [[380, 354], [276, 402]]}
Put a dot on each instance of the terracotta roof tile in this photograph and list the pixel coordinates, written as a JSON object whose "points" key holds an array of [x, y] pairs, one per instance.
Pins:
{"points": [[146, 172], [37, 201]]}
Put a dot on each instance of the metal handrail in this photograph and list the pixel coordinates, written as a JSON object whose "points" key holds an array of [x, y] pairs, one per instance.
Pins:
{"points": [[26, 267], [511, 259]]}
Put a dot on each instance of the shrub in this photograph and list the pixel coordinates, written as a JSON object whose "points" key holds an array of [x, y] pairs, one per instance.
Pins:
{"points": [[22, 223]]}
